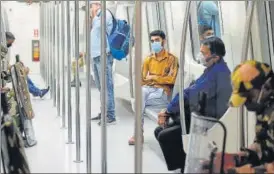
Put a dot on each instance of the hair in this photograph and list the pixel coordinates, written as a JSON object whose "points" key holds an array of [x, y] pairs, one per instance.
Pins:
{"points": [[10, 36], [203, 28], [216, 46], [158, 33]]}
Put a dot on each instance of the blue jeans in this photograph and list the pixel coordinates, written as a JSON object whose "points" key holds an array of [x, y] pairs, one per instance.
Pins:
{"points": [[109, 86], [32, 88]]}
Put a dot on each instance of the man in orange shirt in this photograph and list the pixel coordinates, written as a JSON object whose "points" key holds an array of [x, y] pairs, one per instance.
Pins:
{"points": [[158, 74]]}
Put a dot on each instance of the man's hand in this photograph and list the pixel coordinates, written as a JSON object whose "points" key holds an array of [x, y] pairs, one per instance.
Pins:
{"points": [[151, 77], [162, 118]]}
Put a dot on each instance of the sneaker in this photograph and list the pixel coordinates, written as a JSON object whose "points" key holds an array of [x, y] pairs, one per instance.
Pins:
{"points": [[108, 121], [44, 92], [97, 118]]}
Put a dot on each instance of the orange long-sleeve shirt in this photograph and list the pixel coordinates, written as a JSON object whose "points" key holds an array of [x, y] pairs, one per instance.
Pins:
{"points": [[164, 68]]}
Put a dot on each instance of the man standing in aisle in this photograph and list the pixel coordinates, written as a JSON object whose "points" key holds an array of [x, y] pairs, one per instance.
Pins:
{"points": [[95, 53]]}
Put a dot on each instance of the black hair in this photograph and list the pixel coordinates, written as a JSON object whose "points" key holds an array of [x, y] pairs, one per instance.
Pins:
{"points": [[203, 28], [10, 36], [158, 33], [216, 46]]}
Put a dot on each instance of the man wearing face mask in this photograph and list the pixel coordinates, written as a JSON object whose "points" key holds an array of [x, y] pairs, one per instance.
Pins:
{"points": [[95, 52], [213, 86], [159, 73], [253, 86], [205, 32]]}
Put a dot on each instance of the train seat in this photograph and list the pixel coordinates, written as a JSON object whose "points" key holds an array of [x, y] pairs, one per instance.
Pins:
{"points": [[152, 111]]}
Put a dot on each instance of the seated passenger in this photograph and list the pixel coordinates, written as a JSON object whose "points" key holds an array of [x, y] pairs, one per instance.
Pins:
{"points": [[253, 86], [81, 64], [158, 74], [35, 91], [213, 85]]}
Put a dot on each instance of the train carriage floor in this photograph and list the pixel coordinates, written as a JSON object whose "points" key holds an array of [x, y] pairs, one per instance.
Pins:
{"points": [[52, 154]]}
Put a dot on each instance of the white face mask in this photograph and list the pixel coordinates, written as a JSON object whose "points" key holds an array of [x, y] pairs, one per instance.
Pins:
{"points": [[201, 59]]}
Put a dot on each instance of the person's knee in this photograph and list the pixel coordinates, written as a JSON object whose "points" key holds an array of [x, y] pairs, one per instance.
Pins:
{"points": [[157, 131]]}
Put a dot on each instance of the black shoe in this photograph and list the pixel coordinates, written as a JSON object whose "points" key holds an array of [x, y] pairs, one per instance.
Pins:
{"points": [[73, 83], [97, 118], [108, 122], [44, 92]]}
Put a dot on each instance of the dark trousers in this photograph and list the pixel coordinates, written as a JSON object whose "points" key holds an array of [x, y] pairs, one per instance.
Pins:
{"points": [[4, 103], [170, 140]]}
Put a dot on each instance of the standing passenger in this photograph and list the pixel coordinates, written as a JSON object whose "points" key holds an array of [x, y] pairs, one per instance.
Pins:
{"points": [[205, 32], [208, 14], [95, 52], [158, 74]]}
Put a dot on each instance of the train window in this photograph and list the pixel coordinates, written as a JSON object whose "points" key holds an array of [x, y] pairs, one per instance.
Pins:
{"points": [[204, 22]]}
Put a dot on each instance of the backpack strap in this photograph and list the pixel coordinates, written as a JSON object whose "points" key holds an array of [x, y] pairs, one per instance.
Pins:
{"points": [[114, 22]]}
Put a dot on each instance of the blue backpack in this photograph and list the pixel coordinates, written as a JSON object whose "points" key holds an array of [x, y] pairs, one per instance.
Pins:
{"points": [[119, 38]]}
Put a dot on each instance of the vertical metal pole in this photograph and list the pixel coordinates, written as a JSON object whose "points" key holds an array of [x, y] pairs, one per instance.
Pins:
{"points": [[52, 88], [243, 58], [58, 59], [63, 22], [182, 66], [1, 41], [138, 89], [88, 92], [41, 35], [41, 39], [45, 43], [54, 54], [50, 49], [48, 45], [77, 109], [130, 53], [69, 75], [103, 88]]}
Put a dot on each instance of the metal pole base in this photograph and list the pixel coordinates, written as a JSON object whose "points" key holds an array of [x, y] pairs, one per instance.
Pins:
{"points": [[70, 142], [76, 161]]}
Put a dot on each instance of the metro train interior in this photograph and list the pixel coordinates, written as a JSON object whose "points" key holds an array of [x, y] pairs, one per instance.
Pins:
{"points": [[50, 35]]}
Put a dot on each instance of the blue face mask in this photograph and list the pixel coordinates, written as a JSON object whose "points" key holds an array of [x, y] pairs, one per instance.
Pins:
{"points": [[156, 47]]}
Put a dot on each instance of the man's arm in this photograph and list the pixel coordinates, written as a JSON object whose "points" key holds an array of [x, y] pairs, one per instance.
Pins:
{"points": [[171, 77], [145, 68], [174, 106], [109, 22], [191, 94]]}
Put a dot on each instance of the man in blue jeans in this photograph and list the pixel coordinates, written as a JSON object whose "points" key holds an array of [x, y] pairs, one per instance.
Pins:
{"points": [[33, 89], [95, 48]]}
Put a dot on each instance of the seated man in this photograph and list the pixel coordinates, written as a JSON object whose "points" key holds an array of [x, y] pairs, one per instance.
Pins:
{"points": [[158, 74], [81, 64], [215, 88], [33, 89]]}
